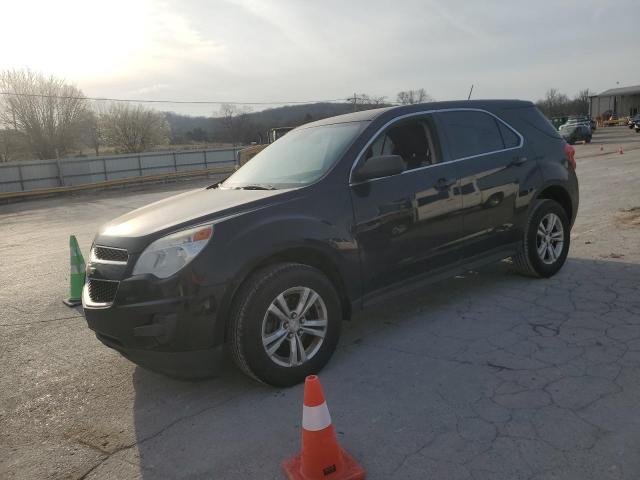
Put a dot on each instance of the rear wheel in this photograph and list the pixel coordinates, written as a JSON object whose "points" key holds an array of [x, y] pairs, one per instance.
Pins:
{"points": [[285, 324], [546, 240], [587, 140]]}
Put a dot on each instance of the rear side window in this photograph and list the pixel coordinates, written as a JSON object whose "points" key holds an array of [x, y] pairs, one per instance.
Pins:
{"points": [[471, 133]]}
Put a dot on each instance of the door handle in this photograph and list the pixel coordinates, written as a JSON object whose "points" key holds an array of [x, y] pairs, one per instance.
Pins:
{"points": [[517, 161], [444, 184]]}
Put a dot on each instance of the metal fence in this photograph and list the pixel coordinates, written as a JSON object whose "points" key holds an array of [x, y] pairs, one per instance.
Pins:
{"points": [[39, 174]]}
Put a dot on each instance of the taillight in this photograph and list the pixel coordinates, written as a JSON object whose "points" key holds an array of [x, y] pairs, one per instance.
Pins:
{"points": [[571, 155]]}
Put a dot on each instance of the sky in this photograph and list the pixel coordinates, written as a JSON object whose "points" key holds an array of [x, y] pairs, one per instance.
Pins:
{"points": [[298, 50]]}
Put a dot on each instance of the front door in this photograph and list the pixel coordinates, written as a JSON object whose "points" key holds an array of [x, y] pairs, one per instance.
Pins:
{"points": [[407, 224]]}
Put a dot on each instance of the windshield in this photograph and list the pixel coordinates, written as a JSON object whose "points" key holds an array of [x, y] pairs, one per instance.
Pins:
{"points": [[297, 159]]}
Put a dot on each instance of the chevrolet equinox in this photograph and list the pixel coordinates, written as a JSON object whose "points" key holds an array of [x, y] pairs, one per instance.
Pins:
{"points": [[334, 216]]}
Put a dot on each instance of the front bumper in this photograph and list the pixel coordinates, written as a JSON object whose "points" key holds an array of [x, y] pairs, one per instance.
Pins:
{"points": [[165, 325], [188, 364]]}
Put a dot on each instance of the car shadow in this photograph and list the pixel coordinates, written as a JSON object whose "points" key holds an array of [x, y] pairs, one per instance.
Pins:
{"points": [[403, 373]]}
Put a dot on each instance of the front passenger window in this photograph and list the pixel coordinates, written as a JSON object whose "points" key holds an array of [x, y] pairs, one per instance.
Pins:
{"points": [[414, 140], [382, 146]]}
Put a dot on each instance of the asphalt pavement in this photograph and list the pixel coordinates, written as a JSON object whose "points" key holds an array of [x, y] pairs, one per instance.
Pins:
{"points": [[485, 376]]}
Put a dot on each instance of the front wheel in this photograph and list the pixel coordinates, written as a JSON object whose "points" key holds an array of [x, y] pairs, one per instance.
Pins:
{"points": [[285, 324], [546, 240]]}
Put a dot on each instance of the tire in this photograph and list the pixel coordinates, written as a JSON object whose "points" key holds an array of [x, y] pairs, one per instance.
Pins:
{"points": [[529, 262], [257, 313], [587, 140]]}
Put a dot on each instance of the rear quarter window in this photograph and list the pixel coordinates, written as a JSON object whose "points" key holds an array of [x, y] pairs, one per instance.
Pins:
{"points": [[509, 137], [534, 118]]}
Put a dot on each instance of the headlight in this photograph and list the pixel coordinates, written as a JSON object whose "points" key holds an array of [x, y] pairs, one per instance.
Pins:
{"points": [[167, 255]]}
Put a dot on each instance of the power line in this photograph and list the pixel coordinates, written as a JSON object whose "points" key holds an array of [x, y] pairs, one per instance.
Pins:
{"points": [[185, 102]]}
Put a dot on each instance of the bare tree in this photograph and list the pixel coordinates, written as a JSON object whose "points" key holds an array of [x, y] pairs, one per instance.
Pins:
{"points": [[133, 128], [91, 131], [370, 100], [554, 103], [46, 110], [581, 102], [409, 97], [235, 121]]}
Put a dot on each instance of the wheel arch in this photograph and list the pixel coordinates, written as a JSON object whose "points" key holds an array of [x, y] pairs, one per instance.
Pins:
{"points": [[560, 195], [310, 255]]}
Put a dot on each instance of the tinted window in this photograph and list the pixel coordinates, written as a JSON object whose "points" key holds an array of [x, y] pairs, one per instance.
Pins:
{"points": [[299, 158], [509, 138], [471, 133], [537, 120], [414, 140]]}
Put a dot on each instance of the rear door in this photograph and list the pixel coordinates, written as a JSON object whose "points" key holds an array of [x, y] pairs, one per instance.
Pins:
{"points": [[495, 174], [407, 224]]}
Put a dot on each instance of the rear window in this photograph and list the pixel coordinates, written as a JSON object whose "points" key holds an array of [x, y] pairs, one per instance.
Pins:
{"points": [[471, 133]]}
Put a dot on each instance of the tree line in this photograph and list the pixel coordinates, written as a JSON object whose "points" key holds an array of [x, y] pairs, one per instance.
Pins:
{"points": [[239, 125], [557, 104]]}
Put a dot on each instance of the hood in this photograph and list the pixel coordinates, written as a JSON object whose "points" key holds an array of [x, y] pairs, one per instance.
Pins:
{"points": [[181, 211]]}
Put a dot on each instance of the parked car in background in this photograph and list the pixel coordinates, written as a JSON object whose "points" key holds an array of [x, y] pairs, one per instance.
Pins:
{"points": [[577, 119], [577, 129], [333, 217], [634, 121], [576, 132], [558, 121]]}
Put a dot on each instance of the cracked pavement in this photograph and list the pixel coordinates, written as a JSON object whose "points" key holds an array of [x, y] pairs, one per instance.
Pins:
{"points": [[486, 376]]}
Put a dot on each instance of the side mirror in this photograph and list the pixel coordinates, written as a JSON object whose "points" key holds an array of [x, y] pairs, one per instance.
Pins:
{"points": [[378, 167]]}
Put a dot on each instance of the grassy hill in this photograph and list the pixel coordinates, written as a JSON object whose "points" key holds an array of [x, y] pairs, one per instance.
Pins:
{"points": [[186, 129]]}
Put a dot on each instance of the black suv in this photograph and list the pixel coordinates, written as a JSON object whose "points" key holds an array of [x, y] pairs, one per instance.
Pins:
{"points": [[334, 216]]}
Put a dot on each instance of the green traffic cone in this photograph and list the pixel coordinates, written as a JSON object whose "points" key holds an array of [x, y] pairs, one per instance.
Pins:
{"points": [[77, 274]]}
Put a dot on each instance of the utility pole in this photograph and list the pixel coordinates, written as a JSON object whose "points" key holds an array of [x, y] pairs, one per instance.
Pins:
{"points": [[355, 99]]}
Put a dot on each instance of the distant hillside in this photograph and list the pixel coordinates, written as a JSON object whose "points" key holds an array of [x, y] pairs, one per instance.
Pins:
{"points": [[187, 129]]}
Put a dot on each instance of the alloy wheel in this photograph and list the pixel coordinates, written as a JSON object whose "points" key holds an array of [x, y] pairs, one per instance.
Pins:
{"points": [[294, 326], [550, 238]]}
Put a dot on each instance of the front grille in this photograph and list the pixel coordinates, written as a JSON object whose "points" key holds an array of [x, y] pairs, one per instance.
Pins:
{"points": [[110, 254], [102, 291]]}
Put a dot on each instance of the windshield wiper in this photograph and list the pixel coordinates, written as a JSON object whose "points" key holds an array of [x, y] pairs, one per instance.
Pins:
{"points": [[256, 186]]}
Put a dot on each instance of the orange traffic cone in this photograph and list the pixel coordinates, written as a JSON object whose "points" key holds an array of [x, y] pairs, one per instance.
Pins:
{"points": [[601, 148], [321, 456], [620, 151]]}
